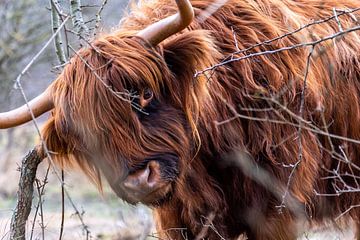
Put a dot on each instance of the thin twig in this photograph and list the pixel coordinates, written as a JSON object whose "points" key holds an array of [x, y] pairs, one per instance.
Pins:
{"points": [[98, 16], [347, 210], [41, 213], [316, 22], [39, 201], [301, 114], [296, 46], [18, 79], [62, 205]]}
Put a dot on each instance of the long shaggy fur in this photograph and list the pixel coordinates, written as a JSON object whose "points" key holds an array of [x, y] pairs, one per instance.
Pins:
{"points": [[98, 130]]}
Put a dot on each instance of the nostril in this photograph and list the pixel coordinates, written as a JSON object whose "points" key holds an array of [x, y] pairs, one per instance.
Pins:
{"points": [[146, 185], [145, 179], [154, 173], [137, 180]]}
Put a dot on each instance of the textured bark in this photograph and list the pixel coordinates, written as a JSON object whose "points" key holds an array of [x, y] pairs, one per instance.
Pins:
{"points": [[77, 18], [25, 193], [55, 22]]}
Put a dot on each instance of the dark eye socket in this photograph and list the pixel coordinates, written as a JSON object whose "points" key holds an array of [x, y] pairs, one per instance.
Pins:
{"points": [[148, 94]]}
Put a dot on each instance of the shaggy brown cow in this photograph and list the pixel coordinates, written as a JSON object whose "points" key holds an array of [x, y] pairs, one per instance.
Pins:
{"points": [[129, 107]]}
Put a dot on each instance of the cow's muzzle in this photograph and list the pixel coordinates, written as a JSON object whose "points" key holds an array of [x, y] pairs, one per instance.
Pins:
{"points": [[150, 182]]}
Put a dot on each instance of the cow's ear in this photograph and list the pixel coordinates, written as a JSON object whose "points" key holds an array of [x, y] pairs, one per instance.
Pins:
{"points": [[185, 54], [189, 52]]}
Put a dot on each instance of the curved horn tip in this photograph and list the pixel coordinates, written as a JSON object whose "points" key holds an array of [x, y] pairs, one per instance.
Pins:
{"points": [[164, 28], [186, 12], [39, 105]]}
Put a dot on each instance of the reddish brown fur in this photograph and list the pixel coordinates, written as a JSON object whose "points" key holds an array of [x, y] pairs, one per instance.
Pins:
{"points": [[96, 130]]}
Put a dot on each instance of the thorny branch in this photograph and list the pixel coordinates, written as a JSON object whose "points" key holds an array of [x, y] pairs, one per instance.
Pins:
{"points": [[301, 114], [298, 120], [288, 48]]}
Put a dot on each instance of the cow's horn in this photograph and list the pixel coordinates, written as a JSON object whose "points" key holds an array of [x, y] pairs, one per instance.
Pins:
{"points": [[38, 105], [164, 28]]}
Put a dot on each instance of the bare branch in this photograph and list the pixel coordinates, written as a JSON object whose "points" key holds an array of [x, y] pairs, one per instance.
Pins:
{"points": [[288, 48], [25, 194], [98, 16]]}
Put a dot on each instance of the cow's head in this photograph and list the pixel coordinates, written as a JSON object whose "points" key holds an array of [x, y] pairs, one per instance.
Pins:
{"points": [[128, 107]]}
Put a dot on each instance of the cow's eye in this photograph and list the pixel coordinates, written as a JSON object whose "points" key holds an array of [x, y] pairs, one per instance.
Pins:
{"points": [[146, 97], [148, 94]]}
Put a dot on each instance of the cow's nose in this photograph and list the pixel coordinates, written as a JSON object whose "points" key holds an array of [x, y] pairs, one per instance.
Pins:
{"points": [[144, 181]]}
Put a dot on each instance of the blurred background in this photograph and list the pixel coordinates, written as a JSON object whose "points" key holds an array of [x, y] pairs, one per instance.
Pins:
{"points": [[24, 29]]}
